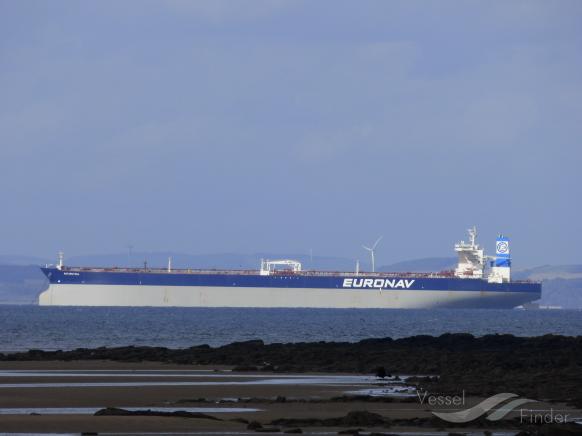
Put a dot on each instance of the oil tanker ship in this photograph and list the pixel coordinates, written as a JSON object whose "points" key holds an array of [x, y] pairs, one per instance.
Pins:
{"points": [[478, 281]]}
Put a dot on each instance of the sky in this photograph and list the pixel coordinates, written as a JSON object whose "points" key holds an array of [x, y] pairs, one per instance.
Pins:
{"points": [[287, 126]]}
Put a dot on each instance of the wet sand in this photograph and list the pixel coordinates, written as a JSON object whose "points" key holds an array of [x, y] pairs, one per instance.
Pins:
{"points": [[307, 396]]}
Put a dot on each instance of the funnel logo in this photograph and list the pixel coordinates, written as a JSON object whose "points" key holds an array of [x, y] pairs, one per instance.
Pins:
{"points": [[484, 407], [502, 247]]}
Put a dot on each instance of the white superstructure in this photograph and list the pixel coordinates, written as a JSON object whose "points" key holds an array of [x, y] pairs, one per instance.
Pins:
{"points": [[472, 258], [270, 266], [473, 261]]}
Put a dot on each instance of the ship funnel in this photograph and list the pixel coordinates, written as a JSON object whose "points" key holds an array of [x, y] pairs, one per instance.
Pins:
{"points": [[501, 265], [502, 257]]}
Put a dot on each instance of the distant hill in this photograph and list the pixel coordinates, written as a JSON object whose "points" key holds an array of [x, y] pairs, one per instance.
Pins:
{"points": [[561, 284], [23, 260], [566, 293], [549, 272], [21, 284]]}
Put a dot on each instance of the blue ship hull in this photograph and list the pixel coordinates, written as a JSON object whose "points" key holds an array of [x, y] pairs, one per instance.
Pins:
{"points": [[277, 281], [75, 286]]}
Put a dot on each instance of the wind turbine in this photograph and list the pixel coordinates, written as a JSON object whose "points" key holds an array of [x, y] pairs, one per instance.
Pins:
{"points": [[372, 250]]}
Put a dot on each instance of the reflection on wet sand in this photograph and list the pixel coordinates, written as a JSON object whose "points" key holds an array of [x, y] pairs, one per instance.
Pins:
{"points": [[44, 399]]}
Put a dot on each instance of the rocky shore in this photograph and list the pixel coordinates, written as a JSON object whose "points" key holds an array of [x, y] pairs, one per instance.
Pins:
{"points": [[545, 367]]}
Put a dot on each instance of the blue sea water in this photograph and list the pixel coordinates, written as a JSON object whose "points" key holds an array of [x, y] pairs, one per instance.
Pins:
{"points": [[53, 328]]}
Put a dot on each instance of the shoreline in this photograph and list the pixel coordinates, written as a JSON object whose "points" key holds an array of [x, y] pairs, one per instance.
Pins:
{"points": [[311, 402], [313, 386], [546, 366]]}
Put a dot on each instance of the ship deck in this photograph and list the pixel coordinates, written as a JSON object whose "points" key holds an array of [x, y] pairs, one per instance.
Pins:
{"points": [[254, 272], [285, 272]]}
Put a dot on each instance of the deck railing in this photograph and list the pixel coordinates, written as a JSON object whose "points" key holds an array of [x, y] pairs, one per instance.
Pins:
{"points": [[305, 273]]}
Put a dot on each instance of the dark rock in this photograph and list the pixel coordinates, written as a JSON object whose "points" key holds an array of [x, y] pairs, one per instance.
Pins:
{"points": [[380, 372], [193, 400], [245, 368], [364, 418], [254, 425], [569, 429], [576, 402], [293, 431], [113, 411], [548, 366], [383, 434], [352, 419], [269, 368]]}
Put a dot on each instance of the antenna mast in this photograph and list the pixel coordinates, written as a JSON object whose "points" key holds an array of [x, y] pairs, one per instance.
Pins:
{"points": [[473, 235]]}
